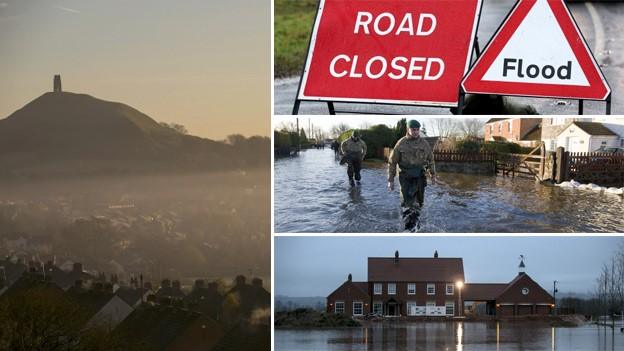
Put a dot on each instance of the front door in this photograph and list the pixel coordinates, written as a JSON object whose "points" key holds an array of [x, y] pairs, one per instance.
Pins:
{"points": [[391, 310]]}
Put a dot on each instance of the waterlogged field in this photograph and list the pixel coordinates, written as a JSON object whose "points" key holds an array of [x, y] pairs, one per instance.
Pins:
{"points": [[312, 194]]}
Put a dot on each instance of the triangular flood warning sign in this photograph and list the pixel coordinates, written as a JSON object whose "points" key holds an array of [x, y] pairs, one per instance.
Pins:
{"points": [[538, 51]]}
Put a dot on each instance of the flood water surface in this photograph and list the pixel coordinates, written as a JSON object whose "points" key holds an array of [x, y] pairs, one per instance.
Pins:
{"points": [[457, 336], [312, 194]]}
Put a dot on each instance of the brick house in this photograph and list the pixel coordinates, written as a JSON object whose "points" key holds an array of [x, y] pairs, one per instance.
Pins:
{"points": [[402, 287], [414, 287], [519, 130]]}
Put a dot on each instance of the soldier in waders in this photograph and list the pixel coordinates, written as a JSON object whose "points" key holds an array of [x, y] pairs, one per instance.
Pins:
{"points": [[414, 157], [354, 151]]}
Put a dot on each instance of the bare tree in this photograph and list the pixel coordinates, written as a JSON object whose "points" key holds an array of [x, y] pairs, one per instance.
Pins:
{"points": [[338, 129], [445, 127], [472, 127]]}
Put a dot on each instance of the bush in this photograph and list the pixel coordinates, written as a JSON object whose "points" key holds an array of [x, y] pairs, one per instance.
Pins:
{"points": [[468, 146], [502, 147]]}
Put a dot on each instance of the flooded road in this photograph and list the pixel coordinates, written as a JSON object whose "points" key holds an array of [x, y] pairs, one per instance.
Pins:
{"points": [[459, 336], [312, 194]]}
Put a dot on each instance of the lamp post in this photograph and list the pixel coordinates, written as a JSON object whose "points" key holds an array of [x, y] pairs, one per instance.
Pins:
{"points": [[460, 285], [555, 296]]}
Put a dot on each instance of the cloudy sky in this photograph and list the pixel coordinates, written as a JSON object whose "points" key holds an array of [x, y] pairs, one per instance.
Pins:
{"points": [[203, 64], [315, 266]]}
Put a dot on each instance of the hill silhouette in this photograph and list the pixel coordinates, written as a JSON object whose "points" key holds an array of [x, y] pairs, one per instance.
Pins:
{"points": [[62, 133]]}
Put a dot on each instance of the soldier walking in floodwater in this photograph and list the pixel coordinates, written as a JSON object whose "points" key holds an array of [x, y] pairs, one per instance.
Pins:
{"points": [[354, 151], [414, 157]]}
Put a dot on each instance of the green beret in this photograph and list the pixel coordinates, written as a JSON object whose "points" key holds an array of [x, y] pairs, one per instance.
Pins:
{"points": [[412, 123]]}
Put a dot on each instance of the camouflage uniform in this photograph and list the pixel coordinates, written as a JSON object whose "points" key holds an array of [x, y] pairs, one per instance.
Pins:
{"points": [[354, 152], [413, 155]]}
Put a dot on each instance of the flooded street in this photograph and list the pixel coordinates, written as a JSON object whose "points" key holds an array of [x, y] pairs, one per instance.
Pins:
{"points": [[312, 194], [459, 336]]}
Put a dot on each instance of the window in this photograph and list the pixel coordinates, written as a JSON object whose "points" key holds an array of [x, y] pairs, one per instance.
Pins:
{"points": [[411, 308], [377, 289], [430, 289], [450, 289], [377, 308], [500, 127], [450, 308], [339, 307], [391, 289], [553, 144], [411, 289], [509, 126], [358, 308]]}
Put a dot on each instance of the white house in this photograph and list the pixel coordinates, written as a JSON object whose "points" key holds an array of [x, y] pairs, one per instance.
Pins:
{"points": [[615, 124], [587, 137]]}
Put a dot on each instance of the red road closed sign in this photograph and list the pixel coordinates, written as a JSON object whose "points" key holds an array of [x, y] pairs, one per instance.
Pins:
{"points": [[407, 52]]}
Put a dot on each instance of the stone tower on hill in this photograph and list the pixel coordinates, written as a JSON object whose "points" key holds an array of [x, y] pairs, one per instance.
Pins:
{"points": [[57, 83]]}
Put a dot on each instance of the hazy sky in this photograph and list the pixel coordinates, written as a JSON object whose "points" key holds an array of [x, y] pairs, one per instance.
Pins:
{"points": [[201, 63], [315, 266]]}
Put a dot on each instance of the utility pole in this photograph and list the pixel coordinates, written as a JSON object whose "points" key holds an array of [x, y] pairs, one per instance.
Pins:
{"points": [[298, 137], [555, 295]]}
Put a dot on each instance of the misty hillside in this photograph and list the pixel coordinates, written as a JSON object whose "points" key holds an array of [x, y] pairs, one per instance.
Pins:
{"points": [[63, 133]]}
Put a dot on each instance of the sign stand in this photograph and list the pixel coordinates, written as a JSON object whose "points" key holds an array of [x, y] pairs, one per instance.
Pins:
{"points": [[595, 86], [331, 103]]}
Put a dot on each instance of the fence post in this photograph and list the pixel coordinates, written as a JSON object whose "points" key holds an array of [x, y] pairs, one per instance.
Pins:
{"points": [[542, 160], [560, 164]]}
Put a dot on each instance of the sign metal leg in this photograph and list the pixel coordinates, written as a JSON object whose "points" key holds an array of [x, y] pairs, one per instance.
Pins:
{"points": [[608, 109], [330, 106], [295, 110], [580, 107]]}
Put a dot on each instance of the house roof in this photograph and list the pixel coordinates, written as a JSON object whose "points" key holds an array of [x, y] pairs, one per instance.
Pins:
{"points": [[12, 271], [130, 295], [414, 269], [156, 326], [534, 134], [492, 120], [482, 292], [594, 128]]}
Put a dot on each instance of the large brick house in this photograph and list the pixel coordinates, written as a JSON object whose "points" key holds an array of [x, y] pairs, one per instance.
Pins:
{"points": [[524, 131], [413, 287]]}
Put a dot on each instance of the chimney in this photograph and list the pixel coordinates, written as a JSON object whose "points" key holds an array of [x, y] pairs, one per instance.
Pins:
{"points": [[350, 278], [78, 267], [396, 256], [199, 284], [57, 83], [143, 286], [240, 280], [435, 254], [256, 282]]}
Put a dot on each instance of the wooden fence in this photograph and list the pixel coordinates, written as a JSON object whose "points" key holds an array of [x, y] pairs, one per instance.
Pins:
{"points": [[462, 156], [605, 169]]}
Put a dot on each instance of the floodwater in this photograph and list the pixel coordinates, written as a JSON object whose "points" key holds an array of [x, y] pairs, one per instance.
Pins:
{"points": [[457, 336], [312, 194]]}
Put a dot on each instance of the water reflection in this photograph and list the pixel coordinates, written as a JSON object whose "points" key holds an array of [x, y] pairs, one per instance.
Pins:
{"points": [[312, 195], [458, 336]]}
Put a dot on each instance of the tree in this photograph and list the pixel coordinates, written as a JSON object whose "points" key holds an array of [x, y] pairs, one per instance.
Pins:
{"points": [[445, 127], [178, 128], [472, 127], [339, 129]]}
